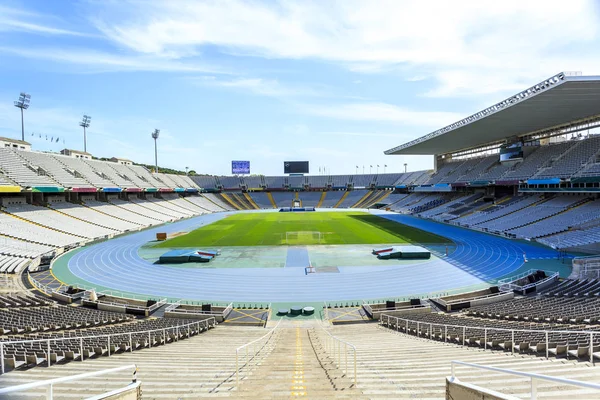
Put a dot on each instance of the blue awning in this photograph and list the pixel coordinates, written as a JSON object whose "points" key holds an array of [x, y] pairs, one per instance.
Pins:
{"points": [[548, 181]]}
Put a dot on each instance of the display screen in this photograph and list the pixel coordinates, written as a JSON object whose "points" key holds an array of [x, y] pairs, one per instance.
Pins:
{"points": [[295, 167], [511, 152], [240, 167]]}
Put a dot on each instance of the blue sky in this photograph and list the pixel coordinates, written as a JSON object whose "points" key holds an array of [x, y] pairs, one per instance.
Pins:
{"points": [[332, 82]]}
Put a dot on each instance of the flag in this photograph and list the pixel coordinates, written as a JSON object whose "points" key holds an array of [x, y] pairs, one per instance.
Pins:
{"points": [[46, 137], [377, 165], [357, 166], [385, 165], [370, 166], [52, 139], [319, 169], [31, 133], [56, 140], [40, 135]]}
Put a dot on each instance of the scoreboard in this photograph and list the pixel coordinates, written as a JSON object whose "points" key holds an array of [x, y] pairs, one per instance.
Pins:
{"points": [[295, 167]]}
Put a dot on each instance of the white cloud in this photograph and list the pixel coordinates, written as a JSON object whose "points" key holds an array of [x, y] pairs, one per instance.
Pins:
{"points": [[98, 61], [18, 20], [382, 112], [259, 86], [459, 45]]}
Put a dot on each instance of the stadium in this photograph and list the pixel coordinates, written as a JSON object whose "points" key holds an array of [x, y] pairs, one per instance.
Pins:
{"points": [[477, 279]]}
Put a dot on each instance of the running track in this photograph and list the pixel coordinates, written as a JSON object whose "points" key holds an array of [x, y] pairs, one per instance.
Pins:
{"points": [[478, 258]]}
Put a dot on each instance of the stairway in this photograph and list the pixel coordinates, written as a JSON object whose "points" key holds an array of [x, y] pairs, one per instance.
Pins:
{"points": [[392, 365], [251, 201], [229, 201], [298, 367], [271, 199], [323, 194], [198, 367], [346, 193]]}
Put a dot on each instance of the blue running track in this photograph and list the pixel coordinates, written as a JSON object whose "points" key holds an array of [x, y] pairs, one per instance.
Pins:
{"points": [[478, 258]]}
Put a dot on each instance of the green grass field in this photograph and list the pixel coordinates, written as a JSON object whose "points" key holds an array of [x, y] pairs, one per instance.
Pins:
{"points": [[253, 229]]}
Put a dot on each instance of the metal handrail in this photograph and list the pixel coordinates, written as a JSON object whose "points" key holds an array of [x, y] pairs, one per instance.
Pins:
{"points": [[325, 312], [486, 329], [51, 382], [530, 375], [246, 346], [331, 347], [108, 336]]}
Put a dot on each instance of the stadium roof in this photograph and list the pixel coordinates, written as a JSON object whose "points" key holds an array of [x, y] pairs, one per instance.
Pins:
{"points": [[566, 97]]}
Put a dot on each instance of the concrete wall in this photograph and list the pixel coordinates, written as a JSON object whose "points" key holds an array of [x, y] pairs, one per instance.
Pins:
{"points": [[404, 313], [201, 317], [112, 307], [492, 299], [456, 390]]}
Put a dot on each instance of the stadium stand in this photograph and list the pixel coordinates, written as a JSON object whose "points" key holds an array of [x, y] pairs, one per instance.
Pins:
{"points": [[50, 166], [205, 203], [284, 199], [332, 198], [309, 199], [106, 171], [318, 182], [542, 210], [274, 182], [92, 216], [261, 199], [21, 172], [253, 182], [363, 181], [352, 198], [205, 181]]}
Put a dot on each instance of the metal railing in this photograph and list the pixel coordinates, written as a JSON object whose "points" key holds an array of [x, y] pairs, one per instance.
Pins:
{"points": [[206, 324], [257, 347], [385, 321], [508, 284], [333, 346], [533, 377], [50, 383]]}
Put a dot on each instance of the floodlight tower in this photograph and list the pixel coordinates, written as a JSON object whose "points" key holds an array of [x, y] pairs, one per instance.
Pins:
{"points": [[85, 123], [155, 136], [23, 104], [405, 164]]}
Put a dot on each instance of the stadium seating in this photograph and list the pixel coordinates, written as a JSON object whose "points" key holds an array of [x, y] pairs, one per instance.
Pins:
{"points": [[274, 182], [107, 171], [52, 167], [309, 199], [205, 203], [22, 172], [58, 221], [540, 157], [261, 199], [542, 210], [283, 199], [253, 182], [352, 198], [363, 181], [318, 181], [230, 182], [296, 182], [476, 171], [497, 211], [574, 238], [572, 217], [571, 160], [332, 198]]}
